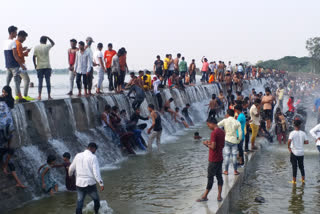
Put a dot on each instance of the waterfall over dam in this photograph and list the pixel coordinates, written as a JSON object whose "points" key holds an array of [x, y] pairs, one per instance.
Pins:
{"points": [[68, 125]]}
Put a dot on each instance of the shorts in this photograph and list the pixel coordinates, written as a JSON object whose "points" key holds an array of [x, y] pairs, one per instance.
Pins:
{"points": [[158, 72], [267, 114], [166, 109], [215, 169]]}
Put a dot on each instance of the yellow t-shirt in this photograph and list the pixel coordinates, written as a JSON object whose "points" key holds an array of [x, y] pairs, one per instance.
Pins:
{"points": [[166, 63]]}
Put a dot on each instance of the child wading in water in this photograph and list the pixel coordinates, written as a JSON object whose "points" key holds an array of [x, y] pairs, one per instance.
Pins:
{"points": [[70, 180], [295, 145], [47, 182]]}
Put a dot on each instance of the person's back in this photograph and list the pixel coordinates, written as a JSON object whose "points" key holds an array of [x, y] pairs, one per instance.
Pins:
{"points": [[42, 53], [218, 136], [230, 126], [183, 66], [297, 138]]}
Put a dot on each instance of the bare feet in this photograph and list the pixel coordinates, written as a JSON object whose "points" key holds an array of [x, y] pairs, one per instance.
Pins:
{"points": [[225, 172], [50, 98], [5, 171], [70, 93], [39, 98], [21, 186]]}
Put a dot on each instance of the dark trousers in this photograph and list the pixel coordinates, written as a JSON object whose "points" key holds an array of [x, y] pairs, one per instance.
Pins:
{"points": [[240, 149], [183, 75], [205, 77], [92, 192], [214, 169], [84, 80], [44, 73], [159, 98], [193, 77], [297, 161], [89, 79], [136, 103], [212, 113], [110, 78], [247, 138]]}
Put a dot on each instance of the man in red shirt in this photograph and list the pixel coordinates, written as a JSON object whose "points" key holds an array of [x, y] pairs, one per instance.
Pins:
{"points": [[215, 146], [108, 54]]}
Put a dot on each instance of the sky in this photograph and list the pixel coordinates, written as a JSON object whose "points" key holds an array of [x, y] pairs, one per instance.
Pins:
{"points": [[246, 30]]}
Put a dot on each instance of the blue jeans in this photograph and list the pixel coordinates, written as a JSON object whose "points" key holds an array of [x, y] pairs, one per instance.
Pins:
{"points": [[44, 73], [318, 148], [230, 149], [92, 192], [205, 76]]}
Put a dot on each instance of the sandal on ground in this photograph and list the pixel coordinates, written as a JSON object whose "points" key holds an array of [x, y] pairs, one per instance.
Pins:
{"points": [[225, 172], [219, 200], [201, 200], [236, 173]]}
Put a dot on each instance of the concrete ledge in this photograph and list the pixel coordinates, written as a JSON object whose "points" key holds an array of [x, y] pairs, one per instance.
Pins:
{"points": [[231, 188], [233, 193]]}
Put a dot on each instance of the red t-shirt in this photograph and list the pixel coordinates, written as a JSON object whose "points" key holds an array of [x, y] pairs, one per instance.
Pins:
{"points": [[108, 55], [217, 136]]}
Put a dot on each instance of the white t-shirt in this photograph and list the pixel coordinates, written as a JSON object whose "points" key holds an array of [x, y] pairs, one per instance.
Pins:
{"points": [[155, 86], [315, 132], [297, 140], [253, 112], [98, 54]]}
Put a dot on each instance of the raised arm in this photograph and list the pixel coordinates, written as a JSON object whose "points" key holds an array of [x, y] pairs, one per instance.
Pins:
{"points": [[51, 41]]}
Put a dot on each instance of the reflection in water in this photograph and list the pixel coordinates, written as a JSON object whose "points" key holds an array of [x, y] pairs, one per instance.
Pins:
{"points": [[296, 203]]}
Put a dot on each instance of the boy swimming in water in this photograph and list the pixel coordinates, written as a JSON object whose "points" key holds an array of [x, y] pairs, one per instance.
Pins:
{"points": [[197, 136]]}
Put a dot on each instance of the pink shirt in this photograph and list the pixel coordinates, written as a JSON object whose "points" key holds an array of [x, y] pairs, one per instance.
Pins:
{"points": [[205, 66]]}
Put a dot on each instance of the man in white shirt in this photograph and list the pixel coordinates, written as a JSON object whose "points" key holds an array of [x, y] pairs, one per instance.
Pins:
{"points": [[297, 139], [87, 170], [156, 83], [255, 121], [82, 67], [231, 126], [315, 132], [89, 42], [99, 68]]}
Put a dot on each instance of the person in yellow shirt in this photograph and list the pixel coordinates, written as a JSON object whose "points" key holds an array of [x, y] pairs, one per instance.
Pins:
{"points": [[166, 63]]}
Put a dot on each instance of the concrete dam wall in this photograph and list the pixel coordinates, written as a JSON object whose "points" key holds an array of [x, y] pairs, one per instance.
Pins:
{"points": [[68, 125]]}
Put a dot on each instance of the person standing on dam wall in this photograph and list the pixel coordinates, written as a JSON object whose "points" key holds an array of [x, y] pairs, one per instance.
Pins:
{"points": [[215, 145], [72, 52], [86, 166], [41, 63]]}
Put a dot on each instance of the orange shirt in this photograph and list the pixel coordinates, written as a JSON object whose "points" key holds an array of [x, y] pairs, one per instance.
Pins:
{"points": [[123, 62], [108, 55], [20, 51]]}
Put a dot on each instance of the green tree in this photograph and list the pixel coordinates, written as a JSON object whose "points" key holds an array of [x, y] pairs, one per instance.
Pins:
{"points": [[313, 46]]}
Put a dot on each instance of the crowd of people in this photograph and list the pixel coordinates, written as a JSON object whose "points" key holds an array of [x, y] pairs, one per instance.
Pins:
{"points": [[230, 137], [255, 114]]}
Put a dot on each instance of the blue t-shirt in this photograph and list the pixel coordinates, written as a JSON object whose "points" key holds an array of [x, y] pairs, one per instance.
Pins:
{"points": [[317, 104], [242, 121]]}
